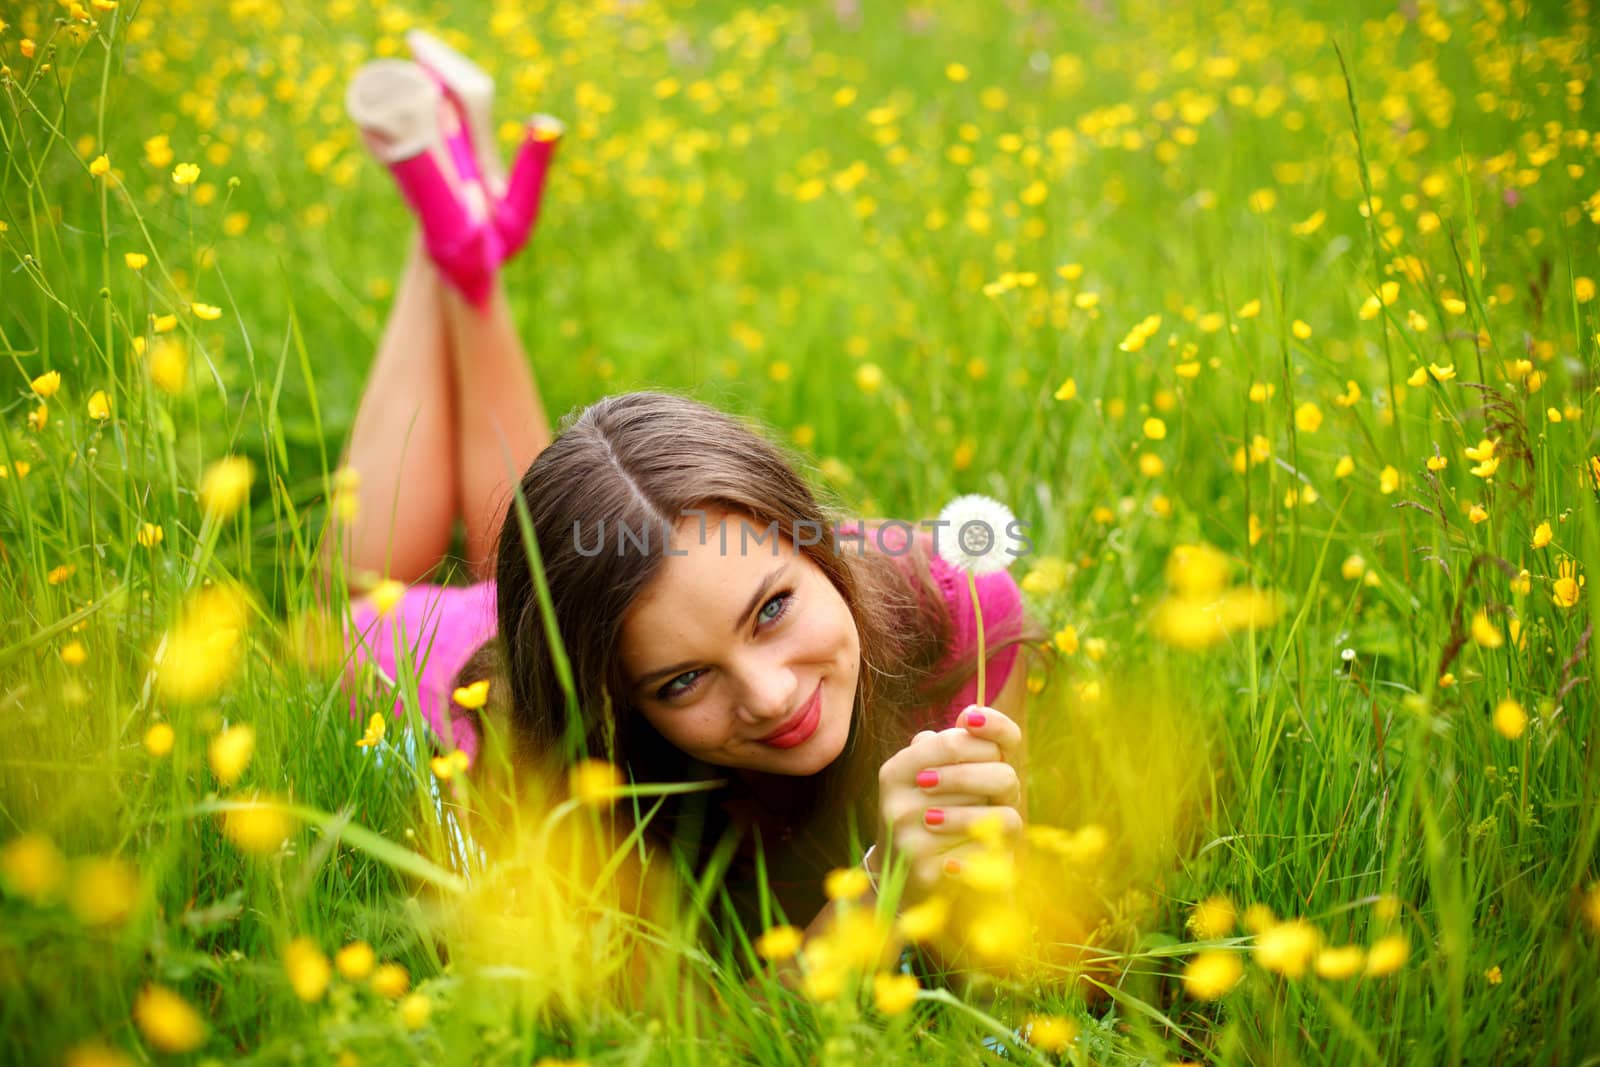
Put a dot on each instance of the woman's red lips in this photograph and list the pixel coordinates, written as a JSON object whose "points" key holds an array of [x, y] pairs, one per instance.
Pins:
{"points": [[801, 725]]}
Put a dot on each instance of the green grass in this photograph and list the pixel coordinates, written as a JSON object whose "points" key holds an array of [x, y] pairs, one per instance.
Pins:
{"points": [[754, 204]]}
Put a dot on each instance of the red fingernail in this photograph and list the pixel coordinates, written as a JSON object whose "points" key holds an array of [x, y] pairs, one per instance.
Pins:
{"points": [[974, 718], [933, 817], [952, 866], [927, 779]]}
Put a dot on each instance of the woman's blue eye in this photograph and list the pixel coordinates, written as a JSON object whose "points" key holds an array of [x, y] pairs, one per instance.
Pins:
{"points": [[668, 692]]}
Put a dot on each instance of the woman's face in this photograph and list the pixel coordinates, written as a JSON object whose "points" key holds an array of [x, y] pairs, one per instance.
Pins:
{"points": [[745, 659]]}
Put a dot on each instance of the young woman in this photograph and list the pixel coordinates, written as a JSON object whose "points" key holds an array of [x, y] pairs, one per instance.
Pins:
{"points": [[825, 682]]}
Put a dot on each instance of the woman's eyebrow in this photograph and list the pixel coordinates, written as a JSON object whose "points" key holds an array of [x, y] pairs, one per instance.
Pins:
{"points": [[755, 601]]}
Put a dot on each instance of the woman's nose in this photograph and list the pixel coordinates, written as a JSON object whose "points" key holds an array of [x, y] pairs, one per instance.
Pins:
{"points": [[769, 694]]}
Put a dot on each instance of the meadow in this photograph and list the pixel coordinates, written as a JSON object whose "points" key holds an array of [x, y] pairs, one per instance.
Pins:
{"points": [[1277, 322]]}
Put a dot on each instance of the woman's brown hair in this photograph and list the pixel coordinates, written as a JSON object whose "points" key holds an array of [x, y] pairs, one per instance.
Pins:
{"points": [[643, 461]]}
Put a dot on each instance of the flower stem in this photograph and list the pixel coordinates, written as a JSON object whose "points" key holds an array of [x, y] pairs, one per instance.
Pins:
{"points": [[977, 611]]}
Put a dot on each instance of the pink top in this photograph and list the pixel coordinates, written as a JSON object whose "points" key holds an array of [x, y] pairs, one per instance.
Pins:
{"points": [[439, 627]]}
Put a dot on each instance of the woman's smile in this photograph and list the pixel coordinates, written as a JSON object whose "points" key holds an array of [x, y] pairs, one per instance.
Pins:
{"points": [[744, 659]]}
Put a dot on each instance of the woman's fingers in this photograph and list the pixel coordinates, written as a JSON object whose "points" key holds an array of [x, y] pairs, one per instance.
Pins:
{"points": [[991, 725], [996, 781], [958, 822]]}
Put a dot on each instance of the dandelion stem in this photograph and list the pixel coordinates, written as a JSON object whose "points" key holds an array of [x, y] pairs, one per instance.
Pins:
{"points": [[977, 613]]}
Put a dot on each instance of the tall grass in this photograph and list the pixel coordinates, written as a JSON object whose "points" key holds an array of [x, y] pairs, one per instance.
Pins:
{"points": [[926, 244]]}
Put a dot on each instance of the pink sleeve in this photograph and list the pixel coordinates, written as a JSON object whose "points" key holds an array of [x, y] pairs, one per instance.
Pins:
{"points": [[1001, 600]]}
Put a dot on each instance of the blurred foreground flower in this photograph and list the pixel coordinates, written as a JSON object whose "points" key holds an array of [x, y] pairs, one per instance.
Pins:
{"points": [[1387, 955], [307, 968], [104, 890], [260, 826], [893, 994], [226, 486], [1211, 975], [1213, 918], [200, 651], [594, 782], [1051, 1033], [1287, 948], [158, 740], [32, 867], [230, 752], [391, 980], [1201, 610], [415, 1010], [355, 961], [779, 943], [167, 1021]]}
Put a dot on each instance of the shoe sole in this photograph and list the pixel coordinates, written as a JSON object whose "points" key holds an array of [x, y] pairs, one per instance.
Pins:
{"points": [[396, 105], [471, 86]]}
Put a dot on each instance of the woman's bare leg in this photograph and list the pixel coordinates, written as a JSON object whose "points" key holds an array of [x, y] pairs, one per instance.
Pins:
{"points": [[500, 422], [403, 444]]}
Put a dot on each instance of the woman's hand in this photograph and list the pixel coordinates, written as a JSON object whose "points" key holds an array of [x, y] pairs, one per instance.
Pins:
{"points": [[961, 775]]}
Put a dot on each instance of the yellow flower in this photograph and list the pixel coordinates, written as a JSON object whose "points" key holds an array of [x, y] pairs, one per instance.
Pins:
{"points": [[1542, 535], [261, 826], [1068, 390], [1444, 373], [1308, 417], [1250, 310], [135, 260], [158, 740], [1387, 955], [1155, 429], [1522, 584], [922, 922], [1066, 640], [91, 1054], [150, 535], [1345, 467], [869, 377], [47, 383], [1211, 975], [1591, 906], [391, 980], [385, 595], [473, 696], [73, 654], [1510, 721], [1197, 570], [1486, 633], [169, 366], [1287, 947], [1583, 289], [230, 752], [846, 883], [186, 173], [449, 765], [1310, 224], [1484, 450], [208, 312], [956, 72], [32, 867], [780, 943], [99, 405], [377, 726], [1049, 575], [1351, 396], [1353, 567], [60, 574], [1338, 963], [355, 961], [202, 648], [38, 417], [1437, 463], [822, 984], [1564, 593], [1388, 480], [415, 1011], [101, 166], [226, 486], [1301, 330], [1477, 513], [1447, 679], [163, 323], [1051, 1033], [1418, 378], [104, 891], [1493, 975], [893, 994], [595, 782], [1487, 468], [308, 969], [167, 1021], [1213, 917]]}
